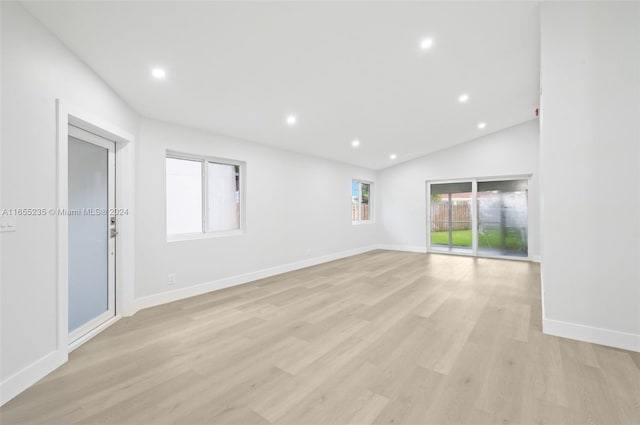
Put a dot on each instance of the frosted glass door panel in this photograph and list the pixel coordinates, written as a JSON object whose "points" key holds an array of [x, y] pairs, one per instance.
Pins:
{"points": [[502, 218], [88, 232]]}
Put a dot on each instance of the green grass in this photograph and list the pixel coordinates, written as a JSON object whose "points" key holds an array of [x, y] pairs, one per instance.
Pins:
{"points": [[487, 239]]}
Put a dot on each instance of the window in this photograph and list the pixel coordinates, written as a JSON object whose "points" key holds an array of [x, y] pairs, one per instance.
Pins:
{"points": [[203, 195], [360, 201]]}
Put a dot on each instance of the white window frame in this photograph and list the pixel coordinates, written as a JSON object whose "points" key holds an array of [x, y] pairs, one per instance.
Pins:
{"points": [[371, 198], [474, 215], [204, 160]]}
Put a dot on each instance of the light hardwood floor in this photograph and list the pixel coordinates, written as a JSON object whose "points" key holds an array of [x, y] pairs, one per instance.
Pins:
{"points": [[379, 338]]}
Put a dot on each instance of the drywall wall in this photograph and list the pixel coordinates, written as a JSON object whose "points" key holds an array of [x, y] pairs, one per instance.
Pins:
{"points": [[36, 69], [510, 152], [298, 208], [590, 163]]}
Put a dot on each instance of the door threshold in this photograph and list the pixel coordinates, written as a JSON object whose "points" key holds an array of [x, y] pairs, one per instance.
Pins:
{"points": [[95, 331], [491, 257]]}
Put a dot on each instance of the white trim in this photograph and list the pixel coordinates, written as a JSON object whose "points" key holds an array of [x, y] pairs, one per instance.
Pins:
{"points": [[23, 379], [423, 250], [125, 248], [203, 288], [62, 229], [95, 331], [428, 215], [544, 314], [169, 153], [490, 257], [181, 237], [86, 136], [483, 178], [405, 248], [474, 218], [84, 120], [602, 336], [95, 323]]}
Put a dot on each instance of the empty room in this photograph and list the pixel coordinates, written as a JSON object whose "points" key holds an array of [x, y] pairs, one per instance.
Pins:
{"points": [[319, 212]]}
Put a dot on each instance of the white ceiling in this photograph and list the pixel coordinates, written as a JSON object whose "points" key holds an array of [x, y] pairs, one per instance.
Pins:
{"points": [[347, 69]]}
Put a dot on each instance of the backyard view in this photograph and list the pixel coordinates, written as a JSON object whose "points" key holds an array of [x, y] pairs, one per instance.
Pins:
{"points": [[490, 238], [360, 201], [501, 217]]}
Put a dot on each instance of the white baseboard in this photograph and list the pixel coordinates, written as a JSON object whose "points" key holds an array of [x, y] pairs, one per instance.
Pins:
{"points": [[406, 248], [20, 381], [203, 288], [600, 336]]}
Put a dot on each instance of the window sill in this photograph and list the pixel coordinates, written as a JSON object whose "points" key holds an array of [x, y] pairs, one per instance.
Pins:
{"points": [[198, 236], [358, 223]]}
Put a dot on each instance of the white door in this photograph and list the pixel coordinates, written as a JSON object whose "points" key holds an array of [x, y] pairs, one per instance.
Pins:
{"points": [[92, 231]]}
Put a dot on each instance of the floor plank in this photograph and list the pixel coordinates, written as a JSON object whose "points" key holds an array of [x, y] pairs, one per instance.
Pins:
{"points": [[379, 338]]}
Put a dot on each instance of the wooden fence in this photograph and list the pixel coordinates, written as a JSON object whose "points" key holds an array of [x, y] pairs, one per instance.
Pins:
{"points": [[460, 216], [365, 212]]}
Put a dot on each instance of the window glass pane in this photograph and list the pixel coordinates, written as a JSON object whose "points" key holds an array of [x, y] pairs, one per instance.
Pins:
{"points": [[88, 237], [355, 201], [445, 188], [223, 197], [364, 205], [184, 196], [502, 218], [451, 224], [503, 186]]}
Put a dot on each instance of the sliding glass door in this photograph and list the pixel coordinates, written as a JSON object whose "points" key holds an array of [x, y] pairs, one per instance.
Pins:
{"points": [[451, 217], [479, 217]]}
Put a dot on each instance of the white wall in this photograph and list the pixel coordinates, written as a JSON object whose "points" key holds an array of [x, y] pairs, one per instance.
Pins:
{"points": [[36, 69], [590, 162], [513, 151], [297, 208]]}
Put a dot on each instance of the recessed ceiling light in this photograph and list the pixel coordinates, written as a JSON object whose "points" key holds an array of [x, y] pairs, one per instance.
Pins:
{"points": [[159, 73], [463, 98], [482, 125], [292, 119], [426, 43], [355, 143], [393, 156]]}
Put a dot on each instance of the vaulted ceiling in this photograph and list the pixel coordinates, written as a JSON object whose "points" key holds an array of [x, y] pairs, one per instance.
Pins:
{"points": [[346, 70]]}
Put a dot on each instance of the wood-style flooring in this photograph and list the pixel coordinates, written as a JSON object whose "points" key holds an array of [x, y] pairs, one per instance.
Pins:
{"points": [[379, 338]]}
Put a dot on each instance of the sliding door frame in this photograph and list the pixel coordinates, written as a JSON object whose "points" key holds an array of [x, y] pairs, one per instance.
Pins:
{"points": [[474, 215]]}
